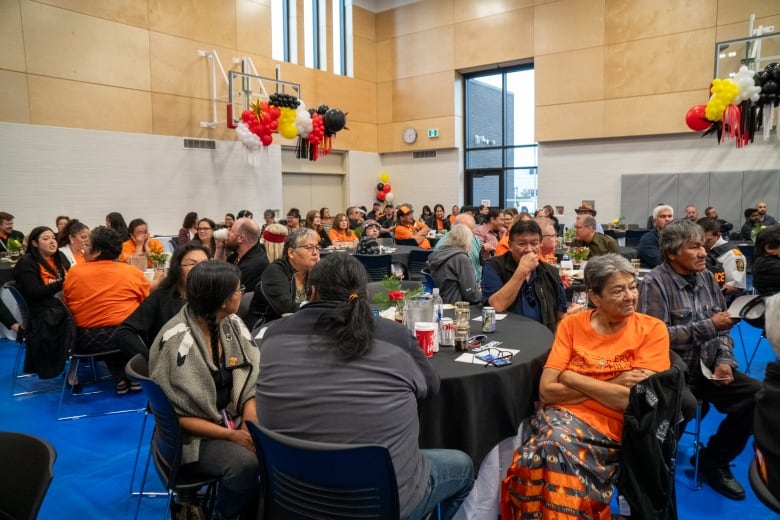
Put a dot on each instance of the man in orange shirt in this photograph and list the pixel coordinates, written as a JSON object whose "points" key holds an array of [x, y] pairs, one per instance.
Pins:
{"points": [[407, 229], [100, 294], [7, 230]]}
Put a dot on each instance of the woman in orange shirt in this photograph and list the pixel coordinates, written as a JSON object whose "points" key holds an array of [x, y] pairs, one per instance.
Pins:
{"points": [[341, 231], [571, 459], [72, 239], [139, 242]]}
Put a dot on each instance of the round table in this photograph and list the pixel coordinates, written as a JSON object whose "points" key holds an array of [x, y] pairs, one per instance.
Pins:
{"points": [[479, 406], [6, 272]]}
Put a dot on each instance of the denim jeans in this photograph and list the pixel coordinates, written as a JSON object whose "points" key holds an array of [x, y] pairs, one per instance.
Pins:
{"points": [[450, 481]]}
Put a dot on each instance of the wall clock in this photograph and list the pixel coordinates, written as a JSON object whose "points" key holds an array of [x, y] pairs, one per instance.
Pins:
{"points": [[410, 135]]}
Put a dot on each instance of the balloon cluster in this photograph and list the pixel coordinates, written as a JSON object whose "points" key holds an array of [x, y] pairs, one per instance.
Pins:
{"points": [[738, 106], [287, 105], [384, 192], [324, 123], [261, 121]]}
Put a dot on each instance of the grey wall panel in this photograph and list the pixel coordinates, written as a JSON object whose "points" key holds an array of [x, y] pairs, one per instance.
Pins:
{"points": [[634, 198], [663, 189], [726, 196], [692, 188], [762, 186]]}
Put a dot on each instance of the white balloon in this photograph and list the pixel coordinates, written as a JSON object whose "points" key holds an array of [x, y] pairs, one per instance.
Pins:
{"points": [[389, 197]]}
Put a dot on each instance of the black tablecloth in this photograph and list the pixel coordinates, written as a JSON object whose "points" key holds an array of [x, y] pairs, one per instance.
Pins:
{"points": [[478, 406], [400, 255], [626, 252], [6, 272]]}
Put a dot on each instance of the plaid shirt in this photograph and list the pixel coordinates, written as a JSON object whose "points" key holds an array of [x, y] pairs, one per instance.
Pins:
{"points": [[687, 310]]}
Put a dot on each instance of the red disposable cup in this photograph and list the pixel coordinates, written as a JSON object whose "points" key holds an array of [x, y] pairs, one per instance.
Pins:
{"points": [[425, 332]]}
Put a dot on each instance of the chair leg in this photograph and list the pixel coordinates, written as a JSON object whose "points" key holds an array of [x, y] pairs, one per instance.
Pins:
{"points": [[753, 355], [697, 448]]}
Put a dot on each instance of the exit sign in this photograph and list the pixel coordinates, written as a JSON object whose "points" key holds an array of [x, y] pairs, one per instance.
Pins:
{"points": [[433, 132]]}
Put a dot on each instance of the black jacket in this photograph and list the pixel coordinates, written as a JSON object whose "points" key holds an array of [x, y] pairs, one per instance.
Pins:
{"points": [[252, 265], [274, 294], [766, 424], [136, 334], [649, 444]]}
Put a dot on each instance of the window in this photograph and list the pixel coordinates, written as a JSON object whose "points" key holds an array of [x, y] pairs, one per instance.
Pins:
{"points": [[315, 25], [500, 150]]}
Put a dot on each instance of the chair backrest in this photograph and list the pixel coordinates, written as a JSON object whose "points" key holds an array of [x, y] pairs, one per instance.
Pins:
{"points": [[243, 307], [26, 462], [760, 488], [377, 266], [633, 236], [418, 260], [21, 303], [308, 479], [406, 242], [430, 283], [167, 441]]}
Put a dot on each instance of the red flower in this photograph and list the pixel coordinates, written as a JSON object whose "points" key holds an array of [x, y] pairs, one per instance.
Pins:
{"points": [[396, 295]]}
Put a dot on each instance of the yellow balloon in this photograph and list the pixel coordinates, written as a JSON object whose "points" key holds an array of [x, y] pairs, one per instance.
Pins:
{"points": [[288, 130], [384, 177]]}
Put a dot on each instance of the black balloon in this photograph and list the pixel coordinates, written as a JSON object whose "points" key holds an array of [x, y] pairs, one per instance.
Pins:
{"points": [[770, 87], [334, 120], [322, 109], [380, 186]]}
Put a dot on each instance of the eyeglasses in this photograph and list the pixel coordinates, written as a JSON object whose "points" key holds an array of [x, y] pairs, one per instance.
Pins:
{"points": [[493, 357], [204, 229], [551, 235], [311, 248], [241, 290]]}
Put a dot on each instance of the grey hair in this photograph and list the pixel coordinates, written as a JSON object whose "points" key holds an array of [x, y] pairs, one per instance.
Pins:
{"points": [[661, 207], [600, 268], [676, 234], [297, 237], [588, 221], [461, 236], [545, 223]]}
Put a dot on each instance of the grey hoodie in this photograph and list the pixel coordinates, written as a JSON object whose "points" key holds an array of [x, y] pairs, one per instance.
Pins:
{"points": [[453, 273]]}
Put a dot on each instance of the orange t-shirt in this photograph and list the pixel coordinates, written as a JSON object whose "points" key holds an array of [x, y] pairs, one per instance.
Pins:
{"points": [[642, 343], [503, 245], [103, 293], [407, 232], [46, 275], [336, 235], [128, 250]]}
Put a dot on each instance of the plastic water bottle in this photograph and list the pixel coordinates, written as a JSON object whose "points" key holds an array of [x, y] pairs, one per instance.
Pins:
{"points": [[438, 312]]}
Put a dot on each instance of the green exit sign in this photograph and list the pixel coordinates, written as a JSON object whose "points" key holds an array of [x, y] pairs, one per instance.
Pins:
{"points": [[433, 132]]}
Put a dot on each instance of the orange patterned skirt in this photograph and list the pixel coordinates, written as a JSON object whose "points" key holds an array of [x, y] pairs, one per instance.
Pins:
{"points": [[565, 471]]}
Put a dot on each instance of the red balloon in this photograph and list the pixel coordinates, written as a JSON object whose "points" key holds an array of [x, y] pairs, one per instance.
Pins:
{"points": [[266, 140], [387, 188], [380, 195], [696, 118]]}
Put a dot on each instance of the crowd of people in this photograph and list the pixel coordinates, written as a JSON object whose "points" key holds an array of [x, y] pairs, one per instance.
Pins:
{"points": [[184, 321]]}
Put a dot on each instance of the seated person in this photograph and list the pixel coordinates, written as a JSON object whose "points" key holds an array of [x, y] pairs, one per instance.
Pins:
{"points": [[243, 249], [314, 221], [281, 289], [518, 282], [7, 230], [341, 232], [585, 235], [407, 229], [207, 365], [39, 275], [101, 293], [136, 333], [766, 421], [293, 219], [752, 217], [139, 242], [489, 232], [451, 267], [387, 222], [572, 457], [356, 216], [766, 267], [439, 221], [116, 221], [729, 258], [369, 231], [9, 321], [189, 228], [71, 240], [649, 250], [368, 394], [205, 235]]}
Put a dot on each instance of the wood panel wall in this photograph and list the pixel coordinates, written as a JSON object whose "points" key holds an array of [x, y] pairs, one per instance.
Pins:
{"points": [[604, 68]]}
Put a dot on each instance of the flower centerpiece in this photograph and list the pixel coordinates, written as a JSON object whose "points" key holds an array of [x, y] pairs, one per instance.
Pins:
{"points": [[568, 236], [158, 259], [14, 247], [579, 254], [394, 296]]}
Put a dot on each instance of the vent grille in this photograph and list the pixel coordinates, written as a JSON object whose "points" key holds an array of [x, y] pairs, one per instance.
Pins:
{"points": [[200, 144], [424, 155]]}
